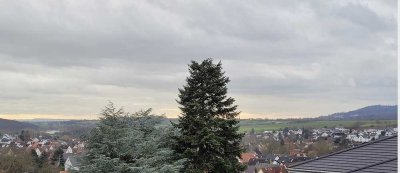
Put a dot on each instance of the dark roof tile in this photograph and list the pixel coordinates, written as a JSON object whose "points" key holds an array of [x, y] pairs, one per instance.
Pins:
{"points": [[375, 156]]}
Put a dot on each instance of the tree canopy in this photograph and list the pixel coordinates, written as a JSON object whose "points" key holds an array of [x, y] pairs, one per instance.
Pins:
{"points": [[208, 135], [129, 143]]}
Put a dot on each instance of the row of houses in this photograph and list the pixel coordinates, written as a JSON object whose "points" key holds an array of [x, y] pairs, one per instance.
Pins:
{"points": [[297, 145], [356, 159], [269, 163], [358, 136], [72, 150], [361, 136]]}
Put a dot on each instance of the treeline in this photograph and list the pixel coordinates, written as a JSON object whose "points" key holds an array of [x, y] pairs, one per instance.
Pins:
{"points": [[12, 126], [13, 160]]}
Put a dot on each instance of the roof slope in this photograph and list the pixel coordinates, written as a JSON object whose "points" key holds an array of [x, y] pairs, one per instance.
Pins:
{"points": [[377, 156]]}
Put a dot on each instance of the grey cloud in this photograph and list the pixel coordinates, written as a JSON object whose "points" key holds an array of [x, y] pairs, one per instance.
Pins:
{"points": [[81, 54]]}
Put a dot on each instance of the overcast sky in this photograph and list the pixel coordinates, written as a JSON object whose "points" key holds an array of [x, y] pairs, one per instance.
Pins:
{"points": [[66, 59]]}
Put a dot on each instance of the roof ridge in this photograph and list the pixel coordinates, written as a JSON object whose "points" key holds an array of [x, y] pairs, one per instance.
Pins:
{"points": [[368, 166], [344, 150]]}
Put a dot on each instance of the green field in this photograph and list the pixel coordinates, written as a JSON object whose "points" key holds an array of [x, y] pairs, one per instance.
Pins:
{"points": [[263, 125]]}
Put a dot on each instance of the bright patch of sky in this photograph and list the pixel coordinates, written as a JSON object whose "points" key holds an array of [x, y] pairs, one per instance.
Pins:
{"points": [[66, 59]]}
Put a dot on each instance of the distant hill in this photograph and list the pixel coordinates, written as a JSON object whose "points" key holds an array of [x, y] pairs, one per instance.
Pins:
{"points": [[41, 120], [14, 126], [35, 120], [375, 112]]}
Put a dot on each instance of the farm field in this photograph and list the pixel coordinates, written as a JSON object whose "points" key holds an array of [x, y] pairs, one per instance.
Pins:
{"points": [[259, 125], [269, 125]]}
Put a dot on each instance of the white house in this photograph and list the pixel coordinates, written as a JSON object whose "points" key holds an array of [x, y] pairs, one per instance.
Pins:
{"points": [[81, 145], [38, 152], [69, 150], [19, 145], [298, 132], [324, 134], [7, 136], [71, 164], [360, 138]]}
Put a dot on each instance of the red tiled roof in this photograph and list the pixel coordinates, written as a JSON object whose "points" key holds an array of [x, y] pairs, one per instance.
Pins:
{"points": [[247, 156]]}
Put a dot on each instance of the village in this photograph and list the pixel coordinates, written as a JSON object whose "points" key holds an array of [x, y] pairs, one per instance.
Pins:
{"points": [[274, 151], [266, 152], [63, 155]]}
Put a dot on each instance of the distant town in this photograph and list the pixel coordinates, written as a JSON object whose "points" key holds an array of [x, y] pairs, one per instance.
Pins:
{"points": [[60, 146]]}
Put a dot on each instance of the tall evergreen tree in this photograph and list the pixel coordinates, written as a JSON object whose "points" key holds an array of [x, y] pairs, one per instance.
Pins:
{"points": [[57, 158], [207, 129], [24, 136]]}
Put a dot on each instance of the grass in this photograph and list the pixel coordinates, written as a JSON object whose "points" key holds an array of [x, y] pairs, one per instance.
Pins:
{"points": [[263, 125]]}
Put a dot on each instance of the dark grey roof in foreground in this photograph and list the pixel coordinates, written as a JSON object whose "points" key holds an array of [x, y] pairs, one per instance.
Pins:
{"points": [[373, 157]]}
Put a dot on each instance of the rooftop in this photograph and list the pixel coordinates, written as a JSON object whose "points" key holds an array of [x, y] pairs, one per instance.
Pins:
{"points": [[373, 157]]}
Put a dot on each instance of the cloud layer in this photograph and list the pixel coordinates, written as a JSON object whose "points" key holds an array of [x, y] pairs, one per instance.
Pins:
{"points": [[284, 58]]}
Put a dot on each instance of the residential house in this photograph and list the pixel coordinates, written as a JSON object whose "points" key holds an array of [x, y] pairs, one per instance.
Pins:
{"points": [[38, 152], [298, 132], [69, 150], [245, 157], [324, 134], [71, 164]]}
